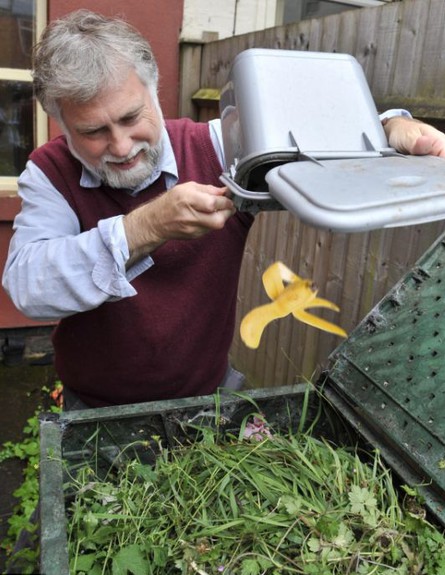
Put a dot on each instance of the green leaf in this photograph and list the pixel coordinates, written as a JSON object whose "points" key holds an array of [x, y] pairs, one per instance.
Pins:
{"points": [[314, 544], [146, 472], [409, 490], [291, 504], [362, 500], [344, 537], [160, 556], [264, 563], [328, 526], [85, 562], [103, 534], [129, 560], [250, 567], [96, 570]]}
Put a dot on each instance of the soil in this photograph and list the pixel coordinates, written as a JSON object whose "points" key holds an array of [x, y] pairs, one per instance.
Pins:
{"points": [[21, 395]]}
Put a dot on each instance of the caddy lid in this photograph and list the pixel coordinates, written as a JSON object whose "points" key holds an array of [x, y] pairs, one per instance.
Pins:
{"points": [[351, 195]]}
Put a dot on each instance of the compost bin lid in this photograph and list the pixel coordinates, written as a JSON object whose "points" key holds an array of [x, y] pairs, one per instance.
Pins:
{"points": [[351, 195], [389, 377]]}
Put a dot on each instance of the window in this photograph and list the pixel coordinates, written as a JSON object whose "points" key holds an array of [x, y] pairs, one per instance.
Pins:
{"points": [[295, 10], [22, 121]]}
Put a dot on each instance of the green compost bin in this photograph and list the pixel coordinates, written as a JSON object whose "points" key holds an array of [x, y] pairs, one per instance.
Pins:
{"points": [[102, 438], [383, 387]]}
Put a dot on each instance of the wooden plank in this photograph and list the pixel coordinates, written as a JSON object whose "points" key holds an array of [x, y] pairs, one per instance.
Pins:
{"points": [[431, 76], [249, 296], [330, 33], [190, 71], [367, 41], [347, 32], [408, 60], [386, 46], [315, 35]]}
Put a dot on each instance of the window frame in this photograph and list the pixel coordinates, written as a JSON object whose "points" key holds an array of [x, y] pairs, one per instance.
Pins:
{"points": [[361, 3], [8, 184]]}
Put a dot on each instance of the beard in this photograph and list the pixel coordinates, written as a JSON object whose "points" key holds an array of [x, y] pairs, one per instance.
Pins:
{"points": [[130, 178]]}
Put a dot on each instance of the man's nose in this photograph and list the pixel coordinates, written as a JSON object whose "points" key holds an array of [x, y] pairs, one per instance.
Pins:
{"points": [[120, 143]]}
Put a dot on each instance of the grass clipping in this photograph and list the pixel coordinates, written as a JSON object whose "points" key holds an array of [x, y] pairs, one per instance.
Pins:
{"points": [[261, 503]]}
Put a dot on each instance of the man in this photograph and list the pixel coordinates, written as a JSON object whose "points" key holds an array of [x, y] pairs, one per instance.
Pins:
{"points": [[125, 234], [94, 211]]}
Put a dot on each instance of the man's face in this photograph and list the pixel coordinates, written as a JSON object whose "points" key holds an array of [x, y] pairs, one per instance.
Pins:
{"points": [[117, 134]]}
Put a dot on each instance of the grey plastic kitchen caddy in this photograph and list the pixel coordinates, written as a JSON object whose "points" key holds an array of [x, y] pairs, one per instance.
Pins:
{"points": [[301, 132]]}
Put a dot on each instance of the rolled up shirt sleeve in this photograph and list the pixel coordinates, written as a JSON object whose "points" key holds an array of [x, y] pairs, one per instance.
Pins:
{"points": [[109, 273], [53, 269]]}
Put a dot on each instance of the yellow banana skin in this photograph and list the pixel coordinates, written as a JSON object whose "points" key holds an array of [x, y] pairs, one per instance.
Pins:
{"points": [[290, 294]]}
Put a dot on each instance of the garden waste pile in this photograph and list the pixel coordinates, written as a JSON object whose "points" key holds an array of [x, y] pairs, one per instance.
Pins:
{"points": [[256, 503]]}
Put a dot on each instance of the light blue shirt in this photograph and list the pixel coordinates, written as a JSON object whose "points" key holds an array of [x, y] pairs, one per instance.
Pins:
{"points": [[54, 270]]}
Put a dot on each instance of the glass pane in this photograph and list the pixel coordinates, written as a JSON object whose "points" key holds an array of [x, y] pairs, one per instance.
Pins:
{"points": [[16, 126], [325, 8], [16, 38], [296, 10]]}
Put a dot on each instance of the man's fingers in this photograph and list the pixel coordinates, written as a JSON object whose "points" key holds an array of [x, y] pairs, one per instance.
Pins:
{"points": [[214, 190], [428, 144], [213, 199], [422, 146], [410, 136]]}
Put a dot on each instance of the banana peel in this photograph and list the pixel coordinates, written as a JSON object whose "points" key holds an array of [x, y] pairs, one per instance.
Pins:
{"points": [[290, 294]]}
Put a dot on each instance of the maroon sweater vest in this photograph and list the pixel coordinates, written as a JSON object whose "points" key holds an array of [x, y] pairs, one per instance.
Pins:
{"points": [[171, 339]]}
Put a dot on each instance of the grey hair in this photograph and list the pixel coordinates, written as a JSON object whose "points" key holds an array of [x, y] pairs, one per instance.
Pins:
{"points": [[84, 53]]}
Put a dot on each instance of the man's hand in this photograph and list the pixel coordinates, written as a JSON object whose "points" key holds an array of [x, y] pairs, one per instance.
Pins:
{"points": [[186, 211], [410, 136]]}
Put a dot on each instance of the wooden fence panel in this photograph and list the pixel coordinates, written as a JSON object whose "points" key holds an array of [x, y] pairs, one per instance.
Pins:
{"points": [[401, 48], [431, 80], [408, 55]]}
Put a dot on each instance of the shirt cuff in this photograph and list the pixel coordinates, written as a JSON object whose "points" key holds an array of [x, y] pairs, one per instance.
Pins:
{"points": [[393, 113], [109, 273]]}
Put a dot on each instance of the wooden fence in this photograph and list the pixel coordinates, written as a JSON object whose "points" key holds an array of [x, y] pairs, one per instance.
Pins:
{"points": [[401, 47]]}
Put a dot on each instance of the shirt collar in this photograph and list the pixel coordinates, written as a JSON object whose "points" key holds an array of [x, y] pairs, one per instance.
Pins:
{"points": [[167, 165]]}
